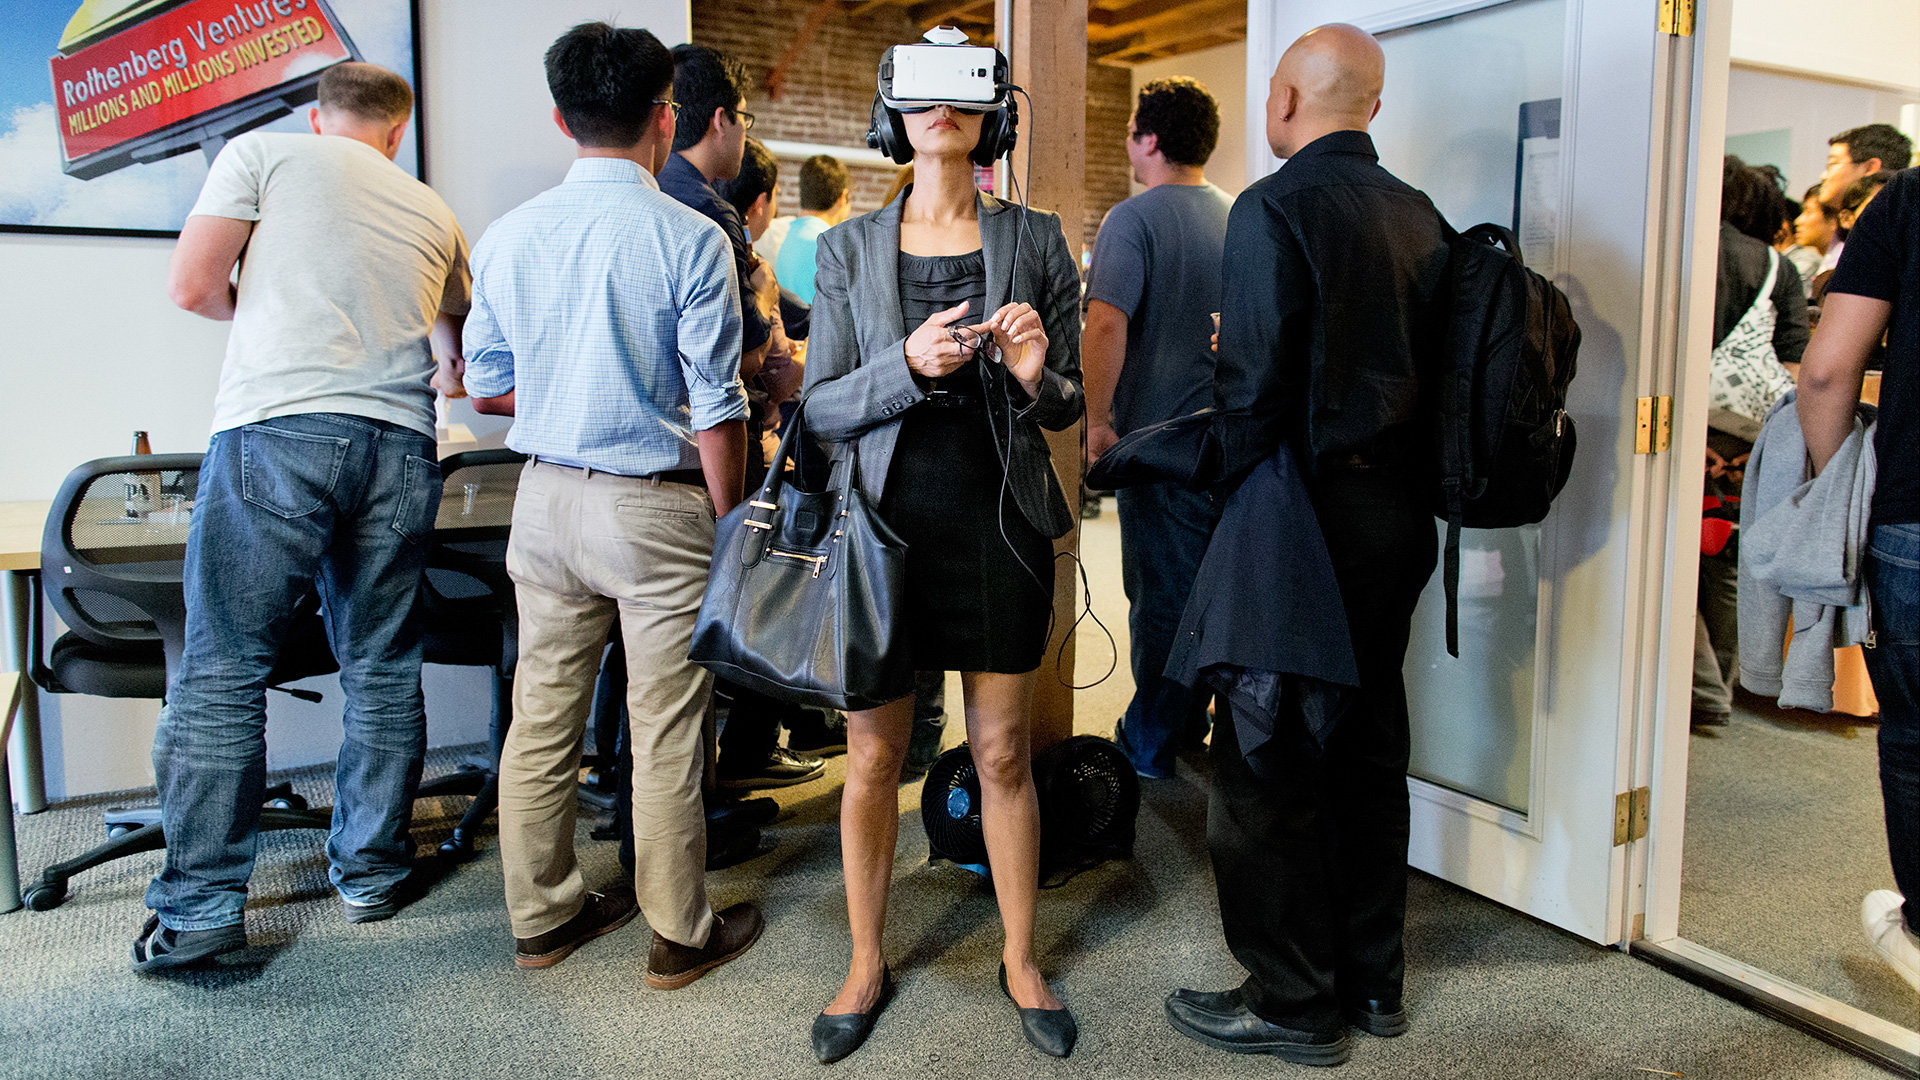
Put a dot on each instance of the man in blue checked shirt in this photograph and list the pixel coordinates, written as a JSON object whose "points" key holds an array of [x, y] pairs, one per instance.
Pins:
{"points": [[607, 321]]}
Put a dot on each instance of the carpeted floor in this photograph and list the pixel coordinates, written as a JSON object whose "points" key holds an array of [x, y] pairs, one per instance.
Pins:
{"points": [[433, 992], [1785, 835]]}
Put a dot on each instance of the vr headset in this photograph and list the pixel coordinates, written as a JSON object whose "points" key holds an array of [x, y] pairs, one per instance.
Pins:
{"points": [[943, 71]]}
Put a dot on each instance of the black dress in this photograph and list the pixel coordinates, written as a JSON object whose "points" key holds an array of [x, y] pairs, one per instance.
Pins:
{"points": [[979, 575]]}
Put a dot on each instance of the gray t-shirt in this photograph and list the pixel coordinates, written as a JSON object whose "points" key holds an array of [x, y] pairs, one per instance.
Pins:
{"points": [[1157, 259], [349, 261]]}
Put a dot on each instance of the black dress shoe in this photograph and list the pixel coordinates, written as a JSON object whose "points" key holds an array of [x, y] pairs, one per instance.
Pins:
{"points": [[1383, 1017], [1224, 1022], [781, 768], [1051, 1031], [835, 1035]]}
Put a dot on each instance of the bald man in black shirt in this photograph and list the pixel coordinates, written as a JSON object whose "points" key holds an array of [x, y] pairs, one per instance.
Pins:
{"points": [[1332, 282]]}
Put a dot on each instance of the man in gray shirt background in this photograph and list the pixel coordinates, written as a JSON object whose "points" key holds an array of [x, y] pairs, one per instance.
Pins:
{"points": [[1154, 285]]}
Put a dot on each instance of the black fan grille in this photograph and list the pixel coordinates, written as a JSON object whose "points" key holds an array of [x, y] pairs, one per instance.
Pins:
{"points": [[1090, 796], [950, 809]]}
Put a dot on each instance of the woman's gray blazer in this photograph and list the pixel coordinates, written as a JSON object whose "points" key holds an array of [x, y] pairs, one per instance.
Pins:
{"points": [[858, 383]]}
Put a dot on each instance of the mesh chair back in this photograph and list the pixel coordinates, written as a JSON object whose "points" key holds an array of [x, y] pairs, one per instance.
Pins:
{"points": [[115, 543]]}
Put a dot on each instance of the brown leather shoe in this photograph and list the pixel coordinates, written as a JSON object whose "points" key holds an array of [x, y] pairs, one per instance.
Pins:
{"points": [[671, 965], [603, 913]]}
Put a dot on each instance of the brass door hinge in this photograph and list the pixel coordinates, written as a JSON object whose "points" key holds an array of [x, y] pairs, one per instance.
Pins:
{"points": [[1676, 17], [1631, 809], [1653, 425]]}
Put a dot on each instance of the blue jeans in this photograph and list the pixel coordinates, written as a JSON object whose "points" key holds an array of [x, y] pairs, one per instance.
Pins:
{"points": [[1164, 530], [1893, 580], [346, 504]]}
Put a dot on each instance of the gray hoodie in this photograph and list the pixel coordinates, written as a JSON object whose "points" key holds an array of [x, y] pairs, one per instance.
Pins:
{"points": [[1801, 543]]}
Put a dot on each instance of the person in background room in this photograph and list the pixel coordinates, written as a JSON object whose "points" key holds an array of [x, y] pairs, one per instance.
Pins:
{"points": [[321, 473], [942, 391], [606, 320], [709, 148], [1875, 294], [1759, 327], [1813, 233], [1151, 292], [826, 198], [1853, 154]]}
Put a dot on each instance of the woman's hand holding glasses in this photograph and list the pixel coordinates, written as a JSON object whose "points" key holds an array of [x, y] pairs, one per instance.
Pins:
{"points": [[1021, 339], [935, 349]]}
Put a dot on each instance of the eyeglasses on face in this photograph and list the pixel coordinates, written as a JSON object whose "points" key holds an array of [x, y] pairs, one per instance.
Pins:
{"points": [[744, 117], [674, 105]]}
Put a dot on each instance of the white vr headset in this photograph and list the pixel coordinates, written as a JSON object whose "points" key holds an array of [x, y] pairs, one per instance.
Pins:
{"points": [[944, 71]]}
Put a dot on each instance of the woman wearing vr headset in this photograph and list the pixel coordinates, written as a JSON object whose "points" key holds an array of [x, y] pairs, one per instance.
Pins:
{"points": [[943, 342]]}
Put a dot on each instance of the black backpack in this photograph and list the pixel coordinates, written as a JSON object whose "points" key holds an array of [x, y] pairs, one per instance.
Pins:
{"points": [[1504, 439]]}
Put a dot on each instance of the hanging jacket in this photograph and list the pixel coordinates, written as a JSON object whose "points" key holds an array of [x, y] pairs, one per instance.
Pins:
{"points": [[1264, 624], [1802, 542]]}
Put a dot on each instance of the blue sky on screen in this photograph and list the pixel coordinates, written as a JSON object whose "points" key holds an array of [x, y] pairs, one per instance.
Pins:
{"points": [[33, 190]]}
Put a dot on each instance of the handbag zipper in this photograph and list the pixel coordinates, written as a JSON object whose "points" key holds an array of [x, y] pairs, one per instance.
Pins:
{"points": [[818, 561]]}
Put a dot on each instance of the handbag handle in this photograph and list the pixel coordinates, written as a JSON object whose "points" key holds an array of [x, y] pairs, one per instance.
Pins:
{"points": [[765, 503]]}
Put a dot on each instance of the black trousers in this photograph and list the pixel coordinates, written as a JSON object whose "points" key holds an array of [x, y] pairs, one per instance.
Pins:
{"points": [[1311, 865]]}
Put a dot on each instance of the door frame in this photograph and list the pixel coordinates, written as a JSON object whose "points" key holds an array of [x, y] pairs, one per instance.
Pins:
{"points": [[1696, 128]]}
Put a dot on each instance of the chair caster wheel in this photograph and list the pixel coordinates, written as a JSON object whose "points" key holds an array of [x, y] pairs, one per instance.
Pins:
{"points": [[45, 895], [116, 831], [286, 802], [456, 847]]}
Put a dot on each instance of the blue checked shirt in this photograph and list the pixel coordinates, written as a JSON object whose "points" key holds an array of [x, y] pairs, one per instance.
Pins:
{"points": [[612, 313]]}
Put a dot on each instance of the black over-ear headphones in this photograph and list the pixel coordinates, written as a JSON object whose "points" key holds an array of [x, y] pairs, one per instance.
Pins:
{"points": [[999, 130]]}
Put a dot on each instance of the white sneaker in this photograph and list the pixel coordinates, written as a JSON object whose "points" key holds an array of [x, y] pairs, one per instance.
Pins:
{"points": [[1887, 929]]}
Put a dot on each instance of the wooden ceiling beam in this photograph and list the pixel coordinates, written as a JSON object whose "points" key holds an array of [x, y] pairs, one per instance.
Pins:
{"points": [[865, 7], [1232, 23], [941, 12], [1186, 14], [1125, 15]]}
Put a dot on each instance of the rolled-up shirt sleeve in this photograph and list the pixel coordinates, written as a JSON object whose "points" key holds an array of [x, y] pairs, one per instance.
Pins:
{"points": [[709, 334], [489, 362]]}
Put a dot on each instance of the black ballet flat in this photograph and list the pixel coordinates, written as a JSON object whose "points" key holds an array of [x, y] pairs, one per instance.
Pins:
{"points": [[1051, 1031], [839, 1034]]}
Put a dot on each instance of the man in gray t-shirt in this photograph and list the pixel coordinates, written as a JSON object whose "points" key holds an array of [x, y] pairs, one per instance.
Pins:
{"points": [[321, 476], [1154, 285]]}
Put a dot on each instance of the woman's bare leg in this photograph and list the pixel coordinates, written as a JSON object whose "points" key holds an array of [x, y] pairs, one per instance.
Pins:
{"points": [[869, 827], [999, 729]]}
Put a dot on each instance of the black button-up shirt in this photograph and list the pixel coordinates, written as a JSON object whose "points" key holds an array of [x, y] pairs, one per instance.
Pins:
{"points": [[1332, 290], [690, 188]]}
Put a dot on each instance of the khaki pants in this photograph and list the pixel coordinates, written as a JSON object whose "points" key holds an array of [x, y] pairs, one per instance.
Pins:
{"points": [[585, 548]]}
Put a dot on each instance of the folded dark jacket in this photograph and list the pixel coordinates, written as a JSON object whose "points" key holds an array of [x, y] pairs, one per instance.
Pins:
{"points": [[1264, 624], [1177, 451]]}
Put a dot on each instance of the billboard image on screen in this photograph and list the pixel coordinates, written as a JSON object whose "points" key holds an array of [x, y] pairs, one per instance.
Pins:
{"points": [[111, 110]]}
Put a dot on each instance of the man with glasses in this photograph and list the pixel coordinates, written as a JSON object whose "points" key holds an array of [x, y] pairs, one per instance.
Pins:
{"points": [[708, 146]]}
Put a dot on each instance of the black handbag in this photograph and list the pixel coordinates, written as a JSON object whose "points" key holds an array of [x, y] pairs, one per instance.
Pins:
{"points": [[803, 601]]}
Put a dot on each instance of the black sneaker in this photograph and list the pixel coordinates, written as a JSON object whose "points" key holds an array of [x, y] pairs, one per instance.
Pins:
{"points": [[781, 768], [817, 733]]}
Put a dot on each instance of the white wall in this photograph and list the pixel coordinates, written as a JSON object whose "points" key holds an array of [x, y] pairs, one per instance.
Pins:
{"points": [[90, 349], [1872, 40], [1223, 71]]}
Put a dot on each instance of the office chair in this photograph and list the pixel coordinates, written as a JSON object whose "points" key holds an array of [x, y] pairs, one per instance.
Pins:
{"points": [[111, 560], [469, 615]]}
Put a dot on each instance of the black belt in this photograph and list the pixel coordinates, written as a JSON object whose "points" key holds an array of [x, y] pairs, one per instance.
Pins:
{"points": [[950, 399], [689, 477]]}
